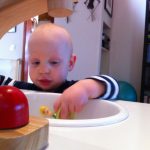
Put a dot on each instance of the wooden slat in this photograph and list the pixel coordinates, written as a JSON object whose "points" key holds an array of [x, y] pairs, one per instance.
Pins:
{"points": [[4, 3], [19, 12]]}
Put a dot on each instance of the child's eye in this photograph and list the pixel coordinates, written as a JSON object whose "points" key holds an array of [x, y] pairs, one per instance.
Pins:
{"points": [[54, 62], [36, 63]]}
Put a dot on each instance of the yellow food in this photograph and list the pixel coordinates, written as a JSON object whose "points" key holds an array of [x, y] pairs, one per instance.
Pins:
{"points": [[57, 114], [45, 111]]}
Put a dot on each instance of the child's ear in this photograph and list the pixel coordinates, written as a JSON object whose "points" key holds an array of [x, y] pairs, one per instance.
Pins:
{"points": [[72, 62]]}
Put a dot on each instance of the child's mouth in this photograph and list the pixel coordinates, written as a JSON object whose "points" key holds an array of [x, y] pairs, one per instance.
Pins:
{"points": [[45, 82]]}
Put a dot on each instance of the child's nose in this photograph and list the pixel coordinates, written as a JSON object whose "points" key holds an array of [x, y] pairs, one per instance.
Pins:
{"points": [[45, 68]]}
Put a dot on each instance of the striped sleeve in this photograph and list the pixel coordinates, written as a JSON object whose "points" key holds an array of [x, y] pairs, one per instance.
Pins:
{"points": [[6, 80], [19, 84], [112, 87]]}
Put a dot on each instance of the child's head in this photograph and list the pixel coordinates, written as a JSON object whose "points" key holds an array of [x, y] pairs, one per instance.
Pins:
{"points": [[50, 56]]}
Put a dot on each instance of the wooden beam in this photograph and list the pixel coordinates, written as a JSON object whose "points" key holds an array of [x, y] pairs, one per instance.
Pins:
{"points": [[4, 3], [16, 13]]}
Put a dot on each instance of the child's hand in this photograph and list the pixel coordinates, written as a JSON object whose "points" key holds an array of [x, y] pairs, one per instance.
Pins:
{"points": [[75, 97], [72, 100]]}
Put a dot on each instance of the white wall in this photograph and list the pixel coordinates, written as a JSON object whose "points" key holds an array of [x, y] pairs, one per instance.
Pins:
{"points": [[11, 44], [11, 47], [86, 36], [127, 41]]}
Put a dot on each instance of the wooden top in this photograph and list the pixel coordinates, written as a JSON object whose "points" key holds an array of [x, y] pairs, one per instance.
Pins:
{"points": [[5, 3], [35, 123], [15, 12]]}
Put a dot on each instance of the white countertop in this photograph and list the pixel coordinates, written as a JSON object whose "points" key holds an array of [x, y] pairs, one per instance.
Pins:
{"points": [[130, 134]]}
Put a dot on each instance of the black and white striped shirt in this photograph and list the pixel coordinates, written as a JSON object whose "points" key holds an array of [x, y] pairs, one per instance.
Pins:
{"points": [[111, 92]]}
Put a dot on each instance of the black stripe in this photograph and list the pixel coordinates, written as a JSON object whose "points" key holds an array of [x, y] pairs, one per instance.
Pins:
{"points": [[1, 79], [112, 86], [7, 81]]}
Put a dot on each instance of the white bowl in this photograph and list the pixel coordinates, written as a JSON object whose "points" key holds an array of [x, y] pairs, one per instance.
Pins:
{"points": [[96, 113]]}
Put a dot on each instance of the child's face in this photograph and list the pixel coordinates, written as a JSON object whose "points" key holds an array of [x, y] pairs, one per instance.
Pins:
{"points": [[49, 63]]}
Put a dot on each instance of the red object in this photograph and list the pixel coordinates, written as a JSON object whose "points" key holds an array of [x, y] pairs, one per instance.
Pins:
{"points": [[14, 108]]}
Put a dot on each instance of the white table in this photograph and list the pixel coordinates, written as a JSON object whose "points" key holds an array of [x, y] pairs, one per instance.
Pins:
{"points": [[130, 134]]}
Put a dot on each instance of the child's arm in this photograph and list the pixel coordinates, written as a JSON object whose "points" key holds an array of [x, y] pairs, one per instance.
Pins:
{"points": [[75, 97], [19, 84]]}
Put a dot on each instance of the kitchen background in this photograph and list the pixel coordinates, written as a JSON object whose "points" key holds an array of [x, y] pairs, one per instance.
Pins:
{"points": [[122, 59]]}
